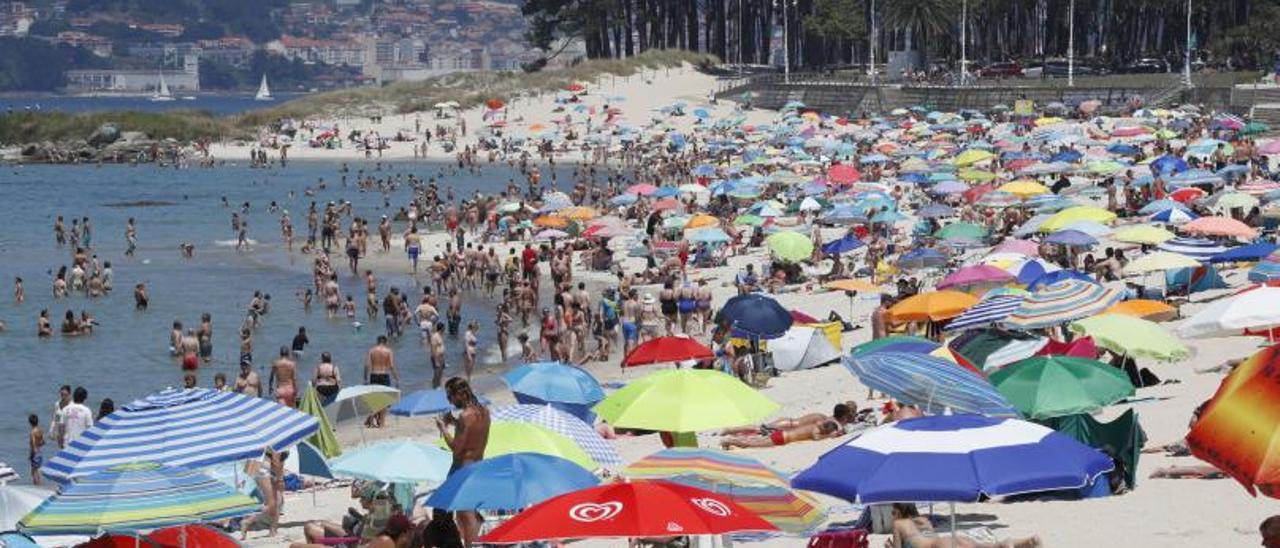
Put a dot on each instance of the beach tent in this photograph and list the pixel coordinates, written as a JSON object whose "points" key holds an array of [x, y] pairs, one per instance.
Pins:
{"points": [[802, 348], [1121, 439], [1198, 279]]}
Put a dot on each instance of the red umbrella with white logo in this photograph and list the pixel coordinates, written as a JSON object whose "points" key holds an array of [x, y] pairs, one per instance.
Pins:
{"points": [[627, 510]]}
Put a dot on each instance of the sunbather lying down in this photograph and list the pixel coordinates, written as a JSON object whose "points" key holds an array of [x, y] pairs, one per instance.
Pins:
{"points": [[911, 530], [1189, 472], [827, 429], [843, 414]]}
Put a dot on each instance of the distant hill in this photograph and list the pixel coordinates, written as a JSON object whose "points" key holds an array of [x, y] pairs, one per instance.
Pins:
{"points": [[256, 19]]}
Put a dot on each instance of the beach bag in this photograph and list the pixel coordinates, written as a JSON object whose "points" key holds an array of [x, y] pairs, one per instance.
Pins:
{"points": [[841, 538]]}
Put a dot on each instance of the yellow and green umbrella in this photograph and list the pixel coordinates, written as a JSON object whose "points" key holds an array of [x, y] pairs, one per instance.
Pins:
{"points": [[1024, 189], [324, 439], [1061, 219], [1131, 336], [790, 246], [506, 437], [976, 175], [971, 157], [685, 400]]}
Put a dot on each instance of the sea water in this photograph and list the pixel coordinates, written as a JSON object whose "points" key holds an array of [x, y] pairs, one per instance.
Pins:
{"points": [[127, 355]]}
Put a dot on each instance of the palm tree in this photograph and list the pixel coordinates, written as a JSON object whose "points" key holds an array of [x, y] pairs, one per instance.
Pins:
{"points": [[922, 18]]}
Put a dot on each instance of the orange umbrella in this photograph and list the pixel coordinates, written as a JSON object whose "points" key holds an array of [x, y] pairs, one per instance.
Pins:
{"points": [[1146, 309], [551, 221], [853, 284], [702, 220], [1220, 226], [578, 213], [494, 103], [1237, 431], [934, 306]]}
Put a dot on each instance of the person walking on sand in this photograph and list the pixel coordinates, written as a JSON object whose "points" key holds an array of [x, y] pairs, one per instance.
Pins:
{"points": [[467, 442]]}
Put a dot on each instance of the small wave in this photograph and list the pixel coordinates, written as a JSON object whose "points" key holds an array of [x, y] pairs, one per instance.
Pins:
{"points": [[232, 243]]}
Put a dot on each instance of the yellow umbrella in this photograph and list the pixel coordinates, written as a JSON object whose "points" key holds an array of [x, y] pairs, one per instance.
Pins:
{"points": [[1160, 261], [1024, 189], [551, 221], [971, 157], [976, 175], [702, 220], [1075, 214], [1142, 234], [1048, 121], [853, 284], [1146, 309]]}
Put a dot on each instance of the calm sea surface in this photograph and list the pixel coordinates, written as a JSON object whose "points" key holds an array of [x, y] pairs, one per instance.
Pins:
{"points": [[220, 104], [127, 356]]}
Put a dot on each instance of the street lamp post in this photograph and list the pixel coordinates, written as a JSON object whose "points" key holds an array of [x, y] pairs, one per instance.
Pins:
{"points": [[871, 64], [1186, 63], [1071, 45], [964, 25], [786, 43]]}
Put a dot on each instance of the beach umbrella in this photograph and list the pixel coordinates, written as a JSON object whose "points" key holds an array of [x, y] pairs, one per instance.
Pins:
{"points": [[756, 487], [934, 384], [1158, 261], [1142, 234], [394, 461], [748, 220], [1245, 253], [1168, 164], [1234, 200], [642, 508], [324, 438], [949, 187], [554, 382], [802, 348], [581, 433], [425, 402], [1237, 430], [14, 539], [1173, 216], [998, 199], [1197, 248], [304, 459], [961, 231], [17, 501], [1071, 238], [974, 275], [685, 400], [993, 348], [790, 246], [642, 189], [922, 257], [843, 174], [755, 315], [192, 536], [708, 236], [506, 437], [853, 284], [989, 311], [670, 349], [936, 211], [134, 497], [1045, 387], [1070, 215], [1255, 309], [953, 458], [896, 343], [1024, 189], [971, 157], [191, 428], [1220, 226], [701, 220], [550, 234], [360, 401], [1156, 311], [1266, 270], [844, 244], [1162, 205], [1060, 303], [1131, 336], [1027, 248], [932, 306], [7, 474], [510, 482]]}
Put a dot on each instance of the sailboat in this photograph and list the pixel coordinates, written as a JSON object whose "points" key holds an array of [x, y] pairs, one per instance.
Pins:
{"points": [[264, 92], [162, 93]]}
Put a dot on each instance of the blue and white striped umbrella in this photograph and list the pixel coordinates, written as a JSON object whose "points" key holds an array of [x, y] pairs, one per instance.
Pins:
{"points": [[1199, 249], [985, 313], [563, 423], [1266, 270], [934, 384], [953, 458], [190, 428], [1060, 303], [1174, 216]]}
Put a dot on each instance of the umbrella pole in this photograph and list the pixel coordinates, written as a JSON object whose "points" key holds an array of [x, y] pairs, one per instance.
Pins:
{"points": [[953, 524]]}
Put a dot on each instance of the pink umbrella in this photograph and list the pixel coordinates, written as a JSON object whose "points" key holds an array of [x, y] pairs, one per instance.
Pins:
{"points": [[666, 204], [976, 274], [1270, 147], [843, 174], [1220, 226], [1129, 131], [643, 189], [1022, 247]]}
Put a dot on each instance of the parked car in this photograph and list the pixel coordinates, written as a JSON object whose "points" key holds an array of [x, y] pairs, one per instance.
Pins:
{"points": [[1003, 69], [1148, 65]]}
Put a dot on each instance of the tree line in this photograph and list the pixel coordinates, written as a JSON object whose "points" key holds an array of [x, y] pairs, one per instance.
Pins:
{"points": [[833, 32]]}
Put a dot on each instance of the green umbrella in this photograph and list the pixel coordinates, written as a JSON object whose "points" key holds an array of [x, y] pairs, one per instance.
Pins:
{"points": [[749, 220], [1052, 386], [961, 231], [1254, 128], [790, 246], [1127, 335], [323, 439], [685, 400]]}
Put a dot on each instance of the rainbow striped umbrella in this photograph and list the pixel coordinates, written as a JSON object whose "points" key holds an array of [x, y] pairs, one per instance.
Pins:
{"points": [[747, 481], [1062, 302], [135, 497]]}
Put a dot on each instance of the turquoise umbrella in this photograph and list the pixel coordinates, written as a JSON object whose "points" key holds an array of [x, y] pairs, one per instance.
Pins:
{"points": [[397, 461]]}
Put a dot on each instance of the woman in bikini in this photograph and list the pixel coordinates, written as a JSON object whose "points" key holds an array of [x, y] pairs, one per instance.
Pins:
{"points": [[687, 302], [667, 300], [327, 378], [911, 530]]}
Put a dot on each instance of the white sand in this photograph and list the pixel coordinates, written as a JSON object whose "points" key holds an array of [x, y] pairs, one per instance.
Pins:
{"points": [[1192, 513]]}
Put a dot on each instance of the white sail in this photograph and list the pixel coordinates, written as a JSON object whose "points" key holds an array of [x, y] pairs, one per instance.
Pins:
{"points": [[264, 92], [162, 93]]}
